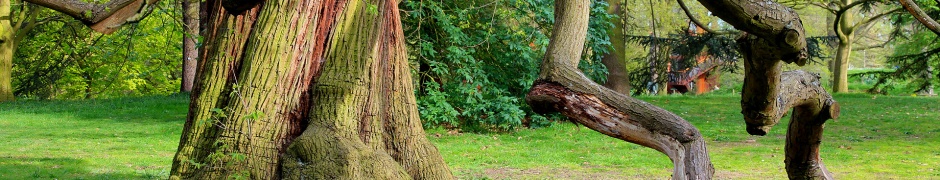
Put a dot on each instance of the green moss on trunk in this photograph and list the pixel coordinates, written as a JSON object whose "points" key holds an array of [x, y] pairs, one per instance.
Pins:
{"points": [[6, 52], [262, 109]]}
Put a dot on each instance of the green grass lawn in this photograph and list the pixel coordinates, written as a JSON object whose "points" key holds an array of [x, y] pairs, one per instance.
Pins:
{"points": [[877, 137], [132, 138]]}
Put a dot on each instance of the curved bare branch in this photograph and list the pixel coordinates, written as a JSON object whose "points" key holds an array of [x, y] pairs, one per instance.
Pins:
{"points": [[921, 16], [695, 20], [104, 18]]}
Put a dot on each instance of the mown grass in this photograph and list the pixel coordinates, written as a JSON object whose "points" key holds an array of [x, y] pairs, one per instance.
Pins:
{"points": [[130, 138], [877, 137]]}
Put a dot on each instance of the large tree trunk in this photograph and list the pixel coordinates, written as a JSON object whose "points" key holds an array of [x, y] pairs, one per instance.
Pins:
{"points": [[6, 51], [261, 109], [617, 77], [562, 87], [190, 38]]}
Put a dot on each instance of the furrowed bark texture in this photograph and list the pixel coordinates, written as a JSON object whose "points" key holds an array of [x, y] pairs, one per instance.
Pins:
{"points": [[190, 38], [365, 104], [777, 23], [563, 88], [6, 51], [261, 108], [251, 97], [768, 92]]}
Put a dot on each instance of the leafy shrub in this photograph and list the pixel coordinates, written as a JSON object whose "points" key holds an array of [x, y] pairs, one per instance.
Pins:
{"points": [[474, 60]]}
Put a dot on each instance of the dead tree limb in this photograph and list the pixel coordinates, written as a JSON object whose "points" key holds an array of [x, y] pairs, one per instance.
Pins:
{"points": [[104, 18], [562, 87], [775, 35]]}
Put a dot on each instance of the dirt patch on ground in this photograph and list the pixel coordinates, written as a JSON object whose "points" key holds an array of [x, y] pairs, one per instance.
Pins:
{"points": [[544, 173]]}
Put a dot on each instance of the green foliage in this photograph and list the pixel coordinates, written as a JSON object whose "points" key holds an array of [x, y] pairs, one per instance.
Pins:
{"points": [[913, 67], [476, 59], [63, 59]]}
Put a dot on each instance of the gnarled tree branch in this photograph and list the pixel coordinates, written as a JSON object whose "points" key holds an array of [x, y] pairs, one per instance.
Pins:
{"points": [[769, 93], [105, 18], [766, 19], [562, 87]]}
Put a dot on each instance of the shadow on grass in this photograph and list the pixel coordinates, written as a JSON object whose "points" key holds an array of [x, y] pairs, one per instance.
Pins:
{"points": [[148, 110], [59, 168]]}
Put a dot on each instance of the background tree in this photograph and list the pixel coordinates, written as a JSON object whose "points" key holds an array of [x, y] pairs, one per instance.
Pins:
{"points": [[62, 59], [191, 24], [915, 55], [13, 29], [618, 78], [848, 30], [476, 59]]}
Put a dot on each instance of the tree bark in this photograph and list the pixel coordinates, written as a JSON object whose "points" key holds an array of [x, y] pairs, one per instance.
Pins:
{"points": [[104, 18], [768, 92], [617, 77], [921, 16], [840, 74], [767, 96], [562, 87], [6, 51], [261, 108], [190, 38], [846, 33]]}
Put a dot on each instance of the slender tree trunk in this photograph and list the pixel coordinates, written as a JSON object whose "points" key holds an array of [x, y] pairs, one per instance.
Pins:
{"points": [[841, 66], [562, 87], [6, 51], [261, 108], [617, 77], [190, 38], [846, 33]]}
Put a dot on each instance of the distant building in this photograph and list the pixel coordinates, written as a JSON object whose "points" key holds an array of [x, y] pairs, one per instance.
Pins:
{"points": [[699, 79]]}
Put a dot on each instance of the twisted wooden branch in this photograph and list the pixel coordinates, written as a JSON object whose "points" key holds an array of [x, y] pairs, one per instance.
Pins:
{"points": [[775, 34]]}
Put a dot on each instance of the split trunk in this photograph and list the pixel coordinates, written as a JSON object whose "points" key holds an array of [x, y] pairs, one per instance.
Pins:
{"points": [[304, 89]]}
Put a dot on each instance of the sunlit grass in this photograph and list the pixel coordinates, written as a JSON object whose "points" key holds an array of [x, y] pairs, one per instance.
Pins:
{"points": [[883, 137], [880, 138], [132, 138]]}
